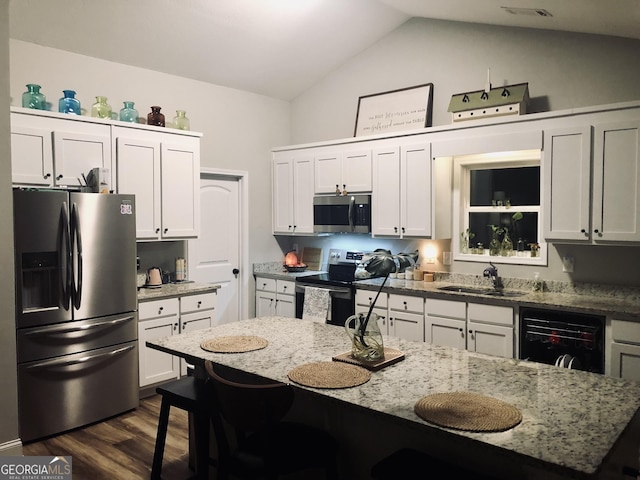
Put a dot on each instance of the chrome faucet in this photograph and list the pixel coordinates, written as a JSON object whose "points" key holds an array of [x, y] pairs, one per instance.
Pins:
{"points": [[491, 272]]}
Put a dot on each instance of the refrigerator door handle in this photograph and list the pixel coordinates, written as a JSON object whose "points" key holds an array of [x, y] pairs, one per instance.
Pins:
{"points": [[81, 328], [65, 258], [67, 363], [77, 239]]}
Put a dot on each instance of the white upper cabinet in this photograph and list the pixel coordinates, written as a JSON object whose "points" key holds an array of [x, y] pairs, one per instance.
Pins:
{"points": [[53, 152], [592, 195], [340, 169], [566, 179], [163, 171], [616, 182], [293, 174], [138, 167], [161, 167], [404, 193]]}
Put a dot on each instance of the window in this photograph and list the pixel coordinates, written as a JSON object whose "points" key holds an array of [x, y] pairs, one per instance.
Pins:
{"points": [[498, 198]]}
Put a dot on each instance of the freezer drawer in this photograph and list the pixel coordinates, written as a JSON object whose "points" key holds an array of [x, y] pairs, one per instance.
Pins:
{"points": [[38, 343], [67, 392]]}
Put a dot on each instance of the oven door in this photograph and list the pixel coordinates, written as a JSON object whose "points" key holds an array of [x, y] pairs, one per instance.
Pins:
{"points": [[342, 302]]}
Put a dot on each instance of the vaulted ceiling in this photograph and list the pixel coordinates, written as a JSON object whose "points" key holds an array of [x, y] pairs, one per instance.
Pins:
{"points": [[277, 48]]}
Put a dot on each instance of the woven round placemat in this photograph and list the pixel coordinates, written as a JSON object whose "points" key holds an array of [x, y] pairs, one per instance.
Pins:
{"points": [[234, 344], [329, 375], [468, 411]]}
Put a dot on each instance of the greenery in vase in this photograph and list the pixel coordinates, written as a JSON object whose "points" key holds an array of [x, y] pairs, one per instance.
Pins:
{"points": [[466, 237]]}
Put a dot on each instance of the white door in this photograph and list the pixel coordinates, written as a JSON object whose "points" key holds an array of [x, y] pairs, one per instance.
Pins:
{"points": [[215, 255]]}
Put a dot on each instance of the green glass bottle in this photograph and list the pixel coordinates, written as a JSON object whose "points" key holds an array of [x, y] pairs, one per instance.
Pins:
{"points": [[180, 121], [101, 109], [32, 98]]}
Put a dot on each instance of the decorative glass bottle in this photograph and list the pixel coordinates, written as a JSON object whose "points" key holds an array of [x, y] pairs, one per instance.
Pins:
{"points": [[32, 98], [155, 117], [180, 121], [494, 244], [69, 103], [506, 248], [101, 109], [128, 113]]}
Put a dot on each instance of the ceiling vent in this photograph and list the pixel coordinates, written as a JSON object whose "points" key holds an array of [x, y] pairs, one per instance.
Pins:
{"points": [[537, 12]]}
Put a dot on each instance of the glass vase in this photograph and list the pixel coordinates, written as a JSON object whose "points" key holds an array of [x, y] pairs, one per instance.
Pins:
{"points": [[506, 248], [69, 103], [180, 121], [366, 338], [155, 117], [101, 109], [128, 113], [494, 245], [32, 98]]}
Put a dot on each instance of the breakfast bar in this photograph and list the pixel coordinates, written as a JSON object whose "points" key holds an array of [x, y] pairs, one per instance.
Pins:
{"points": [[572, 421]]}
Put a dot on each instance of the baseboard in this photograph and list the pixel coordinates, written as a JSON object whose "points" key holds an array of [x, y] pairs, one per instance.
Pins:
{"points": [[14, 447]]}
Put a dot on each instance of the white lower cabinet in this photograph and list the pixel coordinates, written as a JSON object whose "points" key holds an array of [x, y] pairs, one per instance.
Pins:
{"points": [[624, 355], [157, 319], [166, 317], [406, 317], [398, 315], [445, 322], [364, 299], [196, 313], [477, 327], [275, 297], [490, 329]]}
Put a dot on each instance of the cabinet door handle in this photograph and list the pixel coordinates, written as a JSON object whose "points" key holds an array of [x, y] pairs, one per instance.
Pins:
{"points": [[199, 303], [175, 326], [165, 230], [402, 229], [395, 229], [157, 230], [59, 177], [160, 310], [47, 175]]}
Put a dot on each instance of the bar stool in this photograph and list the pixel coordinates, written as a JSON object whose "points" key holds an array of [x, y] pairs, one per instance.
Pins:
{"points": [[187, 394], [405, 462]]}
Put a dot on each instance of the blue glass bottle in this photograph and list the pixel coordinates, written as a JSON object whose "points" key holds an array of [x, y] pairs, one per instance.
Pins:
{"points": [[129, 113], [32, 98], [69, 103]]}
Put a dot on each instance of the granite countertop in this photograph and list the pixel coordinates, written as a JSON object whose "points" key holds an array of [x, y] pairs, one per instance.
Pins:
{"points": [[169, 290], [623, 307], [571, 419]]}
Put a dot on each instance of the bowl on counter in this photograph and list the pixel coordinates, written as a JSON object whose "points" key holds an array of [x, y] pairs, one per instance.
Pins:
{"points": [[296, 268]]}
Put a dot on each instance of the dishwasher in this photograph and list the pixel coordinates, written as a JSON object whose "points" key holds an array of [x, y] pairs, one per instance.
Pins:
{"points": [[564, 339]]}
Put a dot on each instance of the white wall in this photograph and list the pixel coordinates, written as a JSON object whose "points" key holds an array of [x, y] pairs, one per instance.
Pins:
{"points": [[8, 393], [564, 70], [239, 128]]}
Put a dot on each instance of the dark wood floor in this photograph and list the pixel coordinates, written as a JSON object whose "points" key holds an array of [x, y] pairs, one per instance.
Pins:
{"points": [[121, 448]]}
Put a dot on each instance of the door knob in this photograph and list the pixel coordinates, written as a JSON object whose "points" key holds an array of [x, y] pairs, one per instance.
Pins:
{"points": [[235, 272]]}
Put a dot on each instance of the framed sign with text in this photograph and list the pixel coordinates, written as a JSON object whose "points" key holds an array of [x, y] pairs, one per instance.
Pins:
{"points": [[403, 109]]}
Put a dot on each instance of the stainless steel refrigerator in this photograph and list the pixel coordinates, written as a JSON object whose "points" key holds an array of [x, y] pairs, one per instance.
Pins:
{"points": [[76, 324]]}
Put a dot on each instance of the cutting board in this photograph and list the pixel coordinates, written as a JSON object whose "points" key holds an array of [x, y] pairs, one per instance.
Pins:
{"points": [[312, 257]]}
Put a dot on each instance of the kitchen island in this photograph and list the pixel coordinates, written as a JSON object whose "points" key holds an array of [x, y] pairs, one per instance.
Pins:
{"points": [[571, 420]]}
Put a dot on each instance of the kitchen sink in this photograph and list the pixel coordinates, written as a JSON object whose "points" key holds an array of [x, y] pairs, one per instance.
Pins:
{"points": [[480, 291]]}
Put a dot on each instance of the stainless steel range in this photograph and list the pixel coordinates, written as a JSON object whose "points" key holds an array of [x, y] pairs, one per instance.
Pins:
{"points": [[338, 280], [75, 309]]}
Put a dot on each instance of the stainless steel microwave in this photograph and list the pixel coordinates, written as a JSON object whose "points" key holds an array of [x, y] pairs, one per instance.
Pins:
{"points": [[342, 214]]}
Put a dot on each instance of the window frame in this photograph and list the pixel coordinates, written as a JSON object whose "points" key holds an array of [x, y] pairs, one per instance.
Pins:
{"points": [[462, 166]]}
